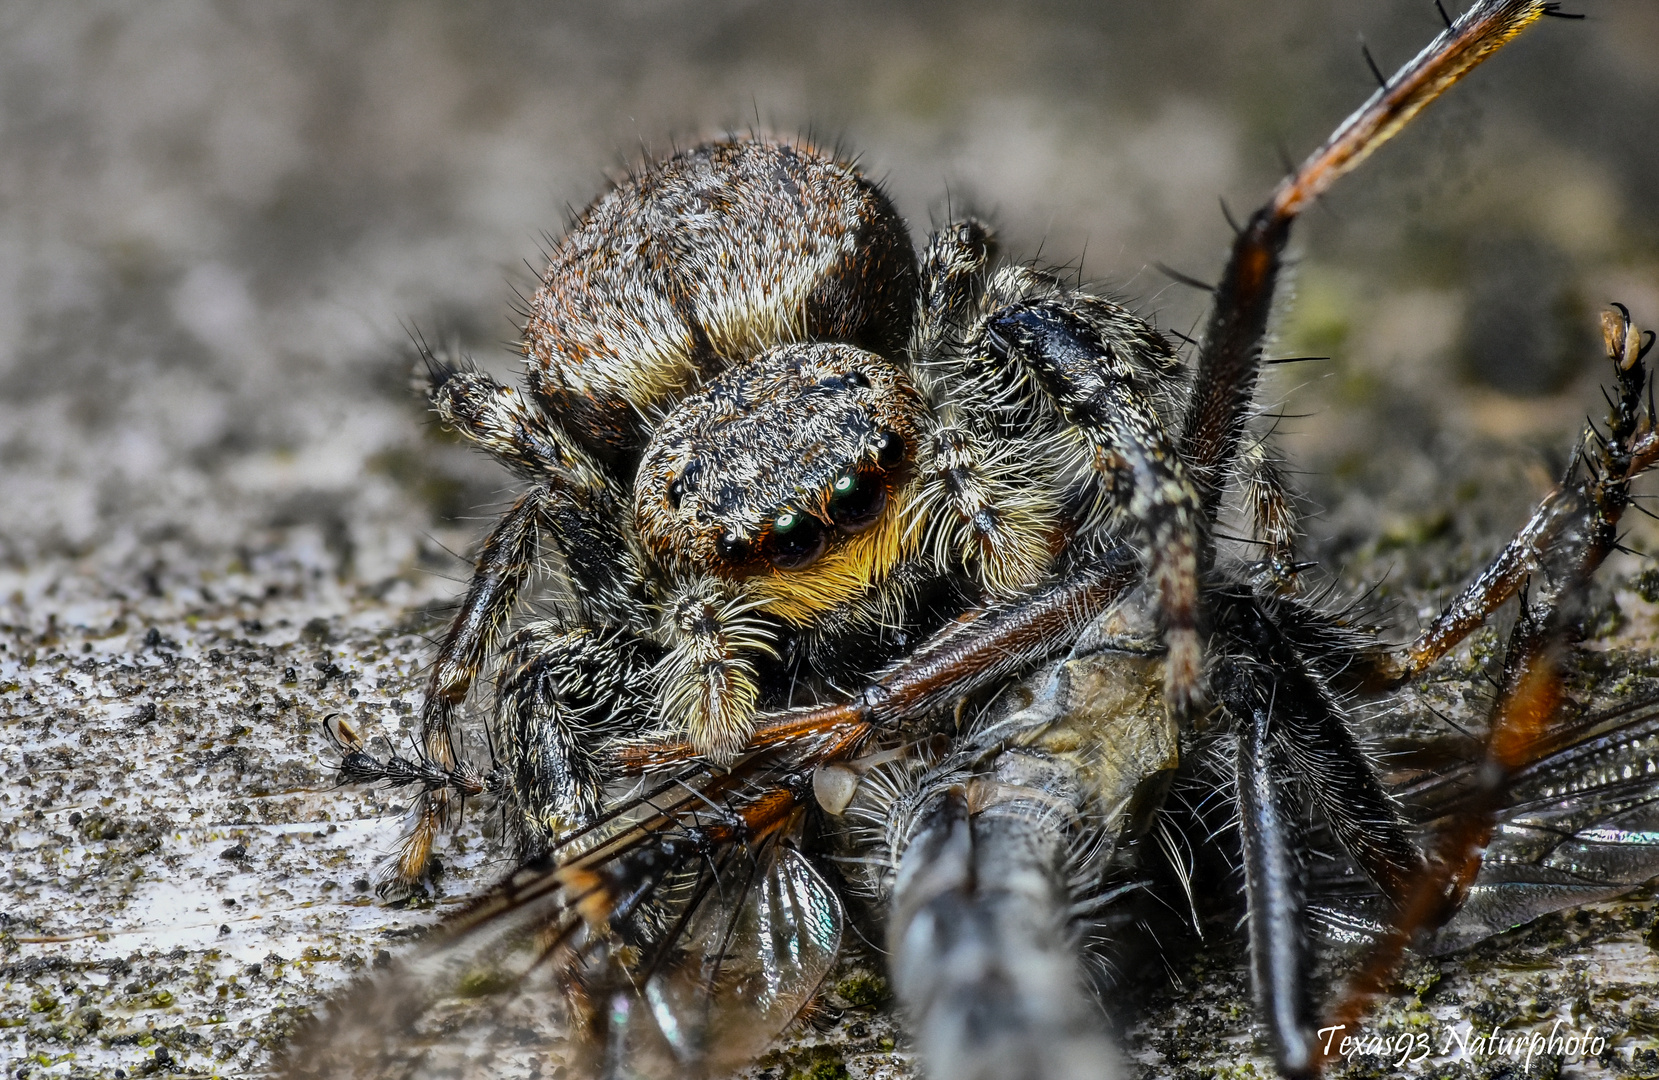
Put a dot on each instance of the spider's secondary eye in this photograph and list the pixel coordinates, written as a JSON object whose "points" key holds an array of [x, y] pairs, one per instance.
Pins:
{"points": [[856, 501], [796, 540], [732, 547], [856, 378], [676, 492], [890, 449]]}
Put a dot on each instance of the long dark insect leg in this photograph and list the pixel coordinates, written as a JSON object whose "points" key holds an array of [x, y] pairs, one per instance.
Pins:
{"points": [[1274, 876], [1230, 358], [1102, 367]]}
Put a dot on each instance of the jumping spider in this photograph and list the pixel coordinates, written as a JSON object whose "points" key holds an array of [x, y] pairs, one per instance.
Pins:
{"points": [[772, 449], [776, 455]]}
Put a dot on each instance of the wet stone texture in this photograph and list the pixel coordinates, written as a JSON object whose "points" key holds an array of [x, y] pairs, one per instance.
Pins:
{"points": [[224, 515]]}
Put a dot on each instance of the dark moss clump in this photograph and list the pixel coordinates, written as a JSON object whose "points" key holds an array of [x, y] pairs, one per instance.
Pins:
{"points": [[864, 990]]}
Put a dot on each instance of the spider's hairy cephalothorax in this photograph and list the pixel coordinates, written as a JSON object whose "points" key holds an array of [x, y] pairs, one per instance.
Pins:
{"points": [[768, 442], [780, 473]]}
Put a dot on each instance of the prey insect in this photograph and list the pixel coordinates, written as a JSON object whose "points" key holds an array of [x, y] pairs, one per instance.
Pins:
{"points": [[776, 454]]}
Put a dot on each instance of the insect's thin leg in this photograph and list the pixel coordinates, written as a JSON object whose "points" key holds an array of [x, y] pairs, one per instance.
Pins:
{"points": [[1531, 691], [1102, 367], [980, 956], [1530, 696], [1576, 524], [1230, 358], [504, 565], [1271, 834]]}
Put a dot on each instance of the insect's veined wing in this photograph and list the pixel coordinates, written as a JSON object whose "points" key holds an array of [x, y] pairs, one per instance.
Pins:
{"points": [[751, 956], [1579, 824], [678, 935]]}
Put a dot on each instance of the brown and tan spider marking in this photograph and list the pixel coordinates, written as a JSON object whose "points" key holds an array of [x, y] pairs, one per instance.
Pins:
{"points": [[786, 466]]}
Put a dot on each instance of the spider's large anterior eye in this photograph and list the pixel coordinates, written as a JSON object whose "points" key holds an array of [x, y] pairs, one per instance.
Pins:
{"points": [[796, 540], [856, 501]]}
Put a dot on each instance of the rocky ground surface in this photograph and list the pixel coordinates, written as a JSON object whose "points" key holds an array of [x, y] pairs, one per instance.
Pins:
{"points": [[224, 516]]}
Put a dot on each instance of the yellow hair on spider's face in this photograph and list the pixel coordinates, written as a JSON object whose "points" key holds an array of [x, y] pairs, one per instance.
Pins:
{"points": [[846, 570], [790, 473]]}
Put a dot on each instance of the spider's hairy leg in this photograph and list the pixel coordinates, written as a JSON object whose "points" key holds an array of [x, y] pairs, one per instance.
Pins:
{"points": [[1272, 512], [562, 693], [1294, 745], [708, 679], [580, 506], [503, 567], [574, 506], [952, 284], [1104, 369], [501, 421], [983, 507]]}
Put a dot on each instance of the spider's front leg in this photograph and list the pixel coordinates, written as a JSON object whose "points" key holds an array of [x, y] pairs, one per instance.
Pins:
{"points": [[1102, 367], [573, 504], [563, 693]]}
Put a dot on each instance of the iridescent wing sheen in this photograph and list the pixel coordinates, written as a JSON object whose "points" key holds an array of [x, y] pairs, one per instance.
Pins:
{"points": [[1579, 825], [749, 964]]}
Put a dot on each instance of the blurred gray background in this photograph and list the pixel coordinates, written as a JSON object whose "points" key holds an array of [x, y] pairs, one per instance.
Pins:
{"points": [[220, 222]]}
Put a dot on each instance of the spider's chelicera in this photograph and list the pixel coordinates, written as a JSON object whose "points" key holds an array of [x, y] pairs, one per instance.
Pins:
{"points": [[817, 504]]}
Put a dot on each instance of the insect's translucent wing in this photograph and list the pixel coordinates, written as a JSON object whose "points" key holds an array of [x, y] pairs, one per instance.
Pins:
{"points": [[748, 963], [1580, 824], [475, 998]]}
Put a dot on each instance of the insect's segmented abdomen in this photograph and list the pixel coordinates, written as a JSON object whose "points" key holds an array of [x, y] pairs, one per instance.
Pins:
{"points": [[706, 258]]}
